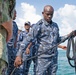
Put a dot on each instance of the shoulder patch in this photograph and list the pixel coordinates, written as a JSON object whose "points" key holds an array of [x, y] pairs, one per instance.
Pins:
{"points": [[40, 22], [29, 34]]}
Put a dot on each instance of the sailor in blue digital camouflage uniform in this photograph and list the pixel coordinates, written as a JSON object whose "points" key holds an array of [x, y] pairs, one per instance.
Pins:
{"points": [[47, 34], [34, 48], [11, 45], [24, 68]]}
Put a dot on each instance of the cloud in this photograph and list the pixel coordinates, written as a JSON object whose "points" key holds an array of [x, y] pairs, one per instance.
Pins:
{"points": [[28, 13], [66, 18]]}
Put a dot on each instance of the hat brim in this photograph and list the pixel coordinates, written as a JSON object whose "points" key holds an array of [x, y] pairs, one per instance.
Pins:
{"points": [[27, 24]]}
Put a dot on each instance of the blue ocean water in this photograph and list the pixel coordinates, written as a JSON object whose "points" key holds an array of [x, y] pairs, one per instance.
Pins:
{"points": [[63, 66]]}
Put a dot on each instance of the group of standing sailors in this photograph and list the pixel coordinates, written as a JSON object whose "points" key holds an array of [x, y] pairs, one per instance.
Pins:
{"points": [[34, 40]]}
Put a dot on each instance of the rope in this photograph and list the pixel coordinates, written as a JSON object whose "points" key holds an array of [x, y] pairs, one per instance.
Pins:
{"points": [[13, 71], [71, 43]]}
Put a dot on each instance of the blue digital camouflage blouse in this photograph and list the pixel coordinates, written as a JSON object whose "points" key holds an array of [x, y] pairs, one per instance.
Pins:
{"points": [[46, 34]]}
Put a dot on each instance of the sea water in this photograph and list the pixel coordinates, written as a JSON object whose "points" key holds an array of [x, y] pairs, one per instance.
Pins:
{"points": [[63, 66]]}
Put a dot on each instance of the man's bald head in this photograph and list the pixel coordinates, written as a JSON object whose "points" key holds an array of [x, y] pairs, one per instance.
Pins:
{"points": [[48, 8]]}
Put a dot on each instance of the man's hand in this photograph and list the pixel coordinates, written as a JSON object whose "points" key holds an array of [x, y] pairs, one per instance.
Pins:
{"points": [[64, 47], [73, 33], [18, 61], [28, 48], [27, 51]]}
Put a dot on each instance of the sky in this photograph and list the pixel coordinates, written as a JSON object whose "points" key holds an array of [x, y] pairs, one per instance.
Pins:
{"points": [[64, 13]]}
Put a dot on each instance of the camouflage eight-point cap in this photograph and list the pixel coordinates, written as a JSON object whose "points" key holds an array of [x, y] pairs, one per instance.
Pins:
{"points": [[6, 10]]}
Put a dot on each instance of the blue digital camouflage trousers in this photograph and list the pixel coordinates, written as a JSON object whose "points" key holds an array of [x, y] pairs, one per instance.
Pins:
{"points": [[47, 65], [11, 57]]}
